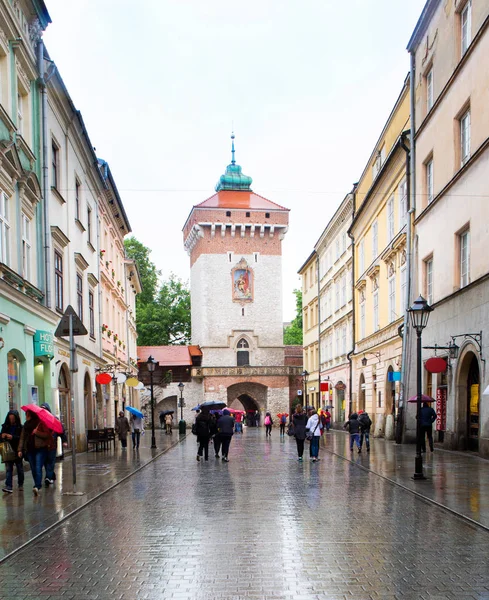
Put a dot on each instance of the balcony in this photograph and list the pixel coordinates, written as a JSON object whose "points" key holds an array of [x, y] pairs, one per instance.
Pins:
{"points": [[250, 371]]}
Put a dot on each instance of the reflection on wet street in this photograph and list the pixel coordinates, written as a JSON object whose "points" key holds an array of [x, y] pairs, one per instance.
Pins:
{"points": [[262, 526]]}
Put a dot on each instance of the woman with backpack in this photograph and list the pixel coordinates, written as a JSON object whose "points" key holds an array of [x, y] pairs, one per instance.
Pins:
{"points": [[283, 423], [268, 424], [299, 420], [313, 429], [203, 431]]}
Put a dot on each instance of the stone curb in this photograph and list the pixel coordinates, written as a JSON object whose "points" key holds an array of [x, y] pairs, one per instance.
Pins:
{"points": [[88, 502], [414, 492]]}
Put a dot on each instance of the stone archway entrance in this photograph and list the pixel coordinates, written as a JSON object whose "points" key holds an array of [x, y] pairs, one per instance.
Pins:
{"points": [[468, 387], [249, 396], [168, 403]]}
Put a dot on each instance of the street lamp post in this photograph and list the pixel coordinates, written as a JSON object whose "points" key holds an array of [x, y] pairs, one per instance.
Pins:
{"points": [[182, 426], [305, 375], [151, 366], [420, 313]]}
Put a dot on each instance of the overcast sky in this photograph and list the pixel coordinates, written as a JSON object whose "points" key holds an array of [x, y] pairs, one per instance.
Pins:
{"points": [[308, 85]]}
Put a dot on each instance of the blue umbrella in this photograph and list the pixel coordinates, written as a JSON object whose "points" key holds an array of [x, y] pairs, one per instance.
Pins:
{"points": [[135, 412], [196, 407]]}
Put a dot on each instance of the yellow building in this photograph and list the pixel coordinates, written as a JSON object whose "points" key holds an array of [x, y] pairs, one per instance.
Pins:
{"points": [[310, 308], [380, 271]]}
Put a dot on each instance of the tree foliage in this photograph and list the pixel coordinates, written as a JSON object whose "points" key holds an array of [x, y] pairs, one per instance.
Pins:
{"points": [[162, 309], [293, 333]]}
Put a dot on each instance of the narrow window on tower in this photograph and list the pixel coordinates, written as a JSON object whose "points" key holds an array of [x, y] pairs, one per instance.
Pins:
{"points": [[230, 257], [255, 256], [242, 312], [228, 213], [248, 214], [267, 215]]}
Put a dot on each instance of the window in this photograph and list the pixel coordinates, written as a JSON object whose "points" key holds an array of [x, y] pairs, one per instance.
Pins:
{"points": [[337, 248], [79, 295], [392, 298], [89, 224], [248, 214], [361, 257], [429, 90], [362, 319], [337, 342], [349, 287], [465, 138], [376, 310], [429, 280], [243, 354], [20, 115], [343, 242], [228, 213], [343, 290], [77, 199], [466, 27], [403, 287], [58, 280], [343, 339], [26, 247], [390, 218], [375, 240], [91, 313], [464, 258], [402, 204], [267, 215], [255, 256], [337, 295], [4, 229], [230, 257], [429, 180], [54, 165]]}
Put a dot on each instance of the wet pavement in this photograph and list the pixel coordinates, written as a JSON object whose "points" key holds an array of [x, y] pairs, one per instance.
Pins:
{"points": [[459, 481], [24, 516], [262, 526]]}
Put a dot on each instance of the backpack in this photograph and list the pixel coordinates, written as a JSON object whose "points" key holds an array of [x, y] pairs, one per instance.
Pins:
{"points": [[202, 428], [283, 419], [365, 421], [268, 421]]}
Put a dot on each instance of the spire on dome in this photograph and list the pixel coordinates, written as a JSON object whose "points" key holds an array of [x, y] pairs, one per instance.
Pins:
{"points": [[233, 178]]}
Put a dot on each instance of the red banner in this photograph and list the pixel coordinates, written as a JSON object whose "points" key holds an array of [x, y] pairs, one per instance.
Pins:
{"points": [[441, 409], [324, 386]]}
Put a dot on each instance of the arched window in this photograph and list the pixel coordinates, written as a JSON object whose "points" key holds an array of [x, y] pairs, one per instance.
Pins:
{"points": [[243, 353]]}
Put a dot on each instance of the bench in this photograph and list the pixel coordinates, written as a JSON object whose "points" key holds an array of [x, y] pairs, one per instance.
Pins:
{"points": [[110, 432], [98, 437]]}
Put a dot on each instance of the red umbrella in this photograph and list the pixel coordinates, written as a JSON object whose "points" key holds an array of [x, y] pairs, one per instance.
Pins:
{"points": [[424, 398], [45, 416]]}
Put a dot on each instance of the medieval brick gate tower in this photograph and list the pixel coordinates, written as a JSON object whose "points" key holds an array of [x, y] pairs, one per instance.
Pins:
{"points": [[234, 239]]}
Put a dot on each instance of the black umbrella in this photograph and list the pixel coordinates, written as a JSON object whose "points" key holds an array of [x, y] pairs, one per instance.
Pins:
{"points": [[213, 404], [167, 412]]}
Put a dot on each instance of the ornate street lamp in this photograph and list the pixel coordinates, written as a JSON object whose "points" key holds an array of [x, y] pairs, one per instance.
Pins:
{"points": [[182, 425], [420, 313], [151, 366], [305, 375]]}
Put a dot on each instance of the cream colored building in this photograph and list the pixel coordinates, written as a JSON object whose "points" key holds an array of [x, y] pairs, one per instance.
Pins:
{"points": [[310, 327], [450, 47], [334, 251], [380, 270]]}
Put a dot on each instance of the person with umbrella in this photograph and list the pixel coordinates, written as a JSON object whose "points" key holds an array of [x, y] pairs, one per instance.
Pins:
{"points": [[225, 427], [51, 454], [169, 421], [162, 419], [203, 430], [428, 417], [35, 441], [11, 430], [122, 428], [137, 425]]}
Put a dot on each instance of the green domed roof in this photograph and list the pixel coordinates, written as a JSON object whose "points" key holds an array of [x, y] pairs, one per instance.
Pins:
{"points": [[233, 178]]}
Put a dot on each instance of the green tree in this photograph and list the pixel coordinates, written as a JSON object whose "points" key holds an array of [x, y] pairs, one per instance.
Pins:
{"points": [[293, 333], [162, 309]]}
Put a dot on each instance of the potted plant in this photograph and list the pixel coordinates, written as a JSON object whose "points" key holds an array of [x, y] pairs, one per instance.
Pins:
{"points": [[109, 333], [102, 252], [104, 328]]}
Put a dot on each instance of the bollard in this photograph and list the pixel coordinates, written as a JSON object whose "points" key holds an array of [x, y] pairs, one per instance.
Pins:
{"points": [[182, 427]]}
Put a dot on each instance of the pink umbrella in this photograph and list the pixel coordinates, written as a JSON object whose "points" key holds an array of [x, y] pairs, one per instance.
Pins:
{"points": [[424, 398], [45, 416]]}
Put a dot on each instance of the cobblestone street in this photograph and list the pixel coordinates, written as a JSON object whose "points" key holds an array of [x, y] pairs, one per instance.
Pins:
{"points": [[263, 526]]}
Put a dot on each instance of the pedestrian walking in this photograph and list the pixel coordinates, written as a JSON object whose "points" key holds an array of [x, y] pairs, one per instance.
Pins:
{"points": [[327, 420], [35, 441], [168, 423], [268, 424], [354, 427], [215, 434], [203, 430], [50, 461], [257, 418], [299, 421], [283, 423], [162, 419], [428, 417], [11, 430], [313, 433], [122, 428], [238, 418], [365, 424], [225, 427], [137, 428]]}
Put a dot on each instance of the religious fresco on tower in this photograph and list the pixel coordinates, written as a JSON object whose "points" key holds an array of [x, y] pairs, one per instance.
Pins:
{"points": [[242, 279]]}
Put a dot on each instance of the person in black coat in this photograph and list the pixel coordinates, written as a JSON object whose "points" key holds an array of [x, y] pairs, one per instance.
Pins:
{"points": [[354, 427], [225, 427], [428, 417], [203, 428], [11, 430], [365, 423], [299, 420]]}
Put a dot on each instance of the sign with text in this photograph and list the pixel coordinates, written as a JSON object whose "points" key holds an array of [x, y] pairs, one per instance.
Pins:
{"points": [[43, 344], [441, 409]]}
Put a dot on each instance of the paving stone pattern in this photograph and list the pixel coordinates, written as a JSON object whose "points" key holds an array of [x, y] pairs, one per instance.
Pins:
{"points": [[262, 526]]}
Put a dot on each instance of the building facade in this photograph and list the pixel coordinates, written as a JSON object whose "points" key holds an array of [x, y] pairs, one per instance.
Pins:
{"points": [[334, 252], [449, 49], [234, 240], [380, 277], [310, 330]]}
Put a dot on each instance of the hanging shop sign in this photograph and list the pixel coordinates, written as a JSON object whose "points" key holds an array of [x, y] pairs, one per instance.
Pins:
{"points": [[324, 386], [103, 378], [43, 344], [394, 376], [441, 409], [436, 364]]}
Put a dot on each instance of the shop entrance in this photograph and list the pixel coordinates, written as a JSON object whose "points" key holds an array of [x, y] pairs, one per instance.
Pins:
{"points": [[65, 401], [361, 393], [473, 391], [89, 404]]}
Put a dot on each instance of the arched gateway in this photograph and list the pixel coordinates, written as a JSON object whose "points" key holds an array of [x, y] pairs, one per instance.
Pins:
{"points": [[234, 240]]}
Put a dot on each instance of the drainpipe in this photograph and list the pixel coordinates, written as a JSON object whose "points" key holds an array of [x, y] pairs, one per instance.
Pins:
{"points": [[411, 196], [43, 80], [319, 331], [353, 322]]}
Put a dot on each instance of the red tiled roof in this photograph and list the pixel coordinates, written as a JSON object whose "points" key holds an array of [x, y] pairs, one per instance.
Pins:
{"points": [[194, 351], [238, 199], [167, 356]]}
